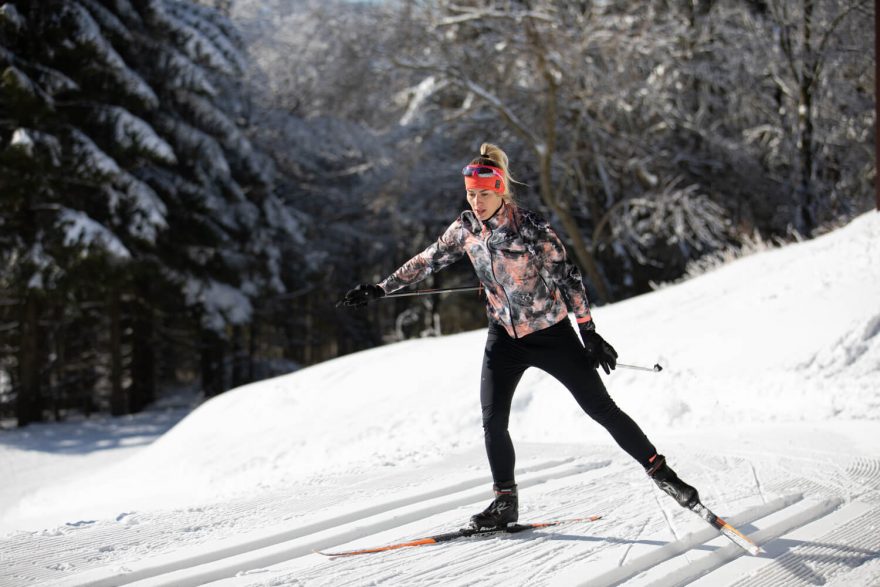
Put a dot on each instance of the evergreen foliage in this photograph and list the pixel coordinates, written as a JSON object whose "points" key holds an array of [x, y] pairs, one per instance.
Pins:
{"points": [[138, 216]]}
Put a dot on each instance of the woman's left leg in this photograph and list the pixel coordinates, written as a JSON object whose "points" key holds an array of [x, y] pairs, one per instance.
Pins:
{"points": [[500, 375], [561, 355], [559, 352]]}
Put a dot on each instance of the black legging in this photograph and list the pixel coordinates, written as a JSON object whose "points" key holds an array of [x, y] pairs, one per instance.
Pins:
{"points": [[557, 351]]}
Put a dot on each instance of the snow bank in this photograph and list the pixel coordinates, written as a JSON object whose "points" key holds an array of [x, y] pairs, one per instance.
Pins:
{"points": [[782, 336]]}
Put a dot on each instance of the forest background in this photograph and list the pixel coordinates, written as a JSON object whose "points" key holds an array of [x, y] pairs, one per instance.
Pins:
{"points": [[187, 188]]}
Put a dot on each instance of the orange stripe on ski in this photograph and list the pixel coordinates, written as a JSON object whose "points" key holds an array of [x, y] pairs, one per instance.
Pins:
{"points": [[732, 529], [464, 533], [751, 546], [560, 522], [421, 542]]}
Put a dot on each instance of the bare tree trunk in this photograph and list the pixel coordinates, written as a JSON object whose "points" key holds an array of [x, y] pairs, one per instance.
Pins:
{"points": [[550, 192], [59, 385], [119, 400], [252, 347], [308, 331], [238, 356], [805, 123], [213, 376], [584, 258], [28, 407], [806, 69], [143, 360]]}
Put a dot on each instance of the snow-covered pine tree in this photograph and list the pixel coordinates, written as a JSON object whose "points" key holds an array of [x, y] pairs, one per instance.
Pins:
{"points": [[125, 166], [229, 192]]}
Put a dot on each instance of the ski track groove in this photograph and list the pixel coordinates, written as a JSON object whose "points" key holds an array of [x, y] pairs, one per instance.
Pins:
{"points": [[525, 547], [526, 554], [537, 554], [795, 482], [450, 568], [629, 546], [689, 542], [866, 472], [538, 571], [799, 514], [814, 562], [185, 571], [68, 549], [454, 563]]}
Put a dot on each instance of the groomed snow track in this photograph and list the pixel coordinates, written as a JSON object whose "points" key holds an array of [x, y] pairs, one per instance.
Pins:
{"points": [[812, 530]]}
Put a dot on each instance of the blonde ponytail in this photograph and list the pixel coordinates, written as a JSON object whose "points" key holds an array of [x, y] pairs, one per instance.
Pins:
{"points": [[491, 154]]}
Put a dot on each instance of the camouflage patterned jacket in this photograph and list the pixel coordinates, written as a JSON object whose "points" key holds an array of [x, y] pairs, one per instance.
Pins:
{"points": [[530, 284]]}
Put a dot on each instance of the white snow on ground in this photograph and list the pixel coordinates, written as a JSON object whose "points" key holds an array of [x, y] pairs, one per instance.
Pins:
{"points": [[57, 453], [769, 403]]}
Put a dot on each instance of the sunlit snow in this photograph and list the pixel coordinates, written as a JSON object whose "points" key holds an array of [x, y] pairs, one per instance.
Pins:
{"points": [[768, 403]]}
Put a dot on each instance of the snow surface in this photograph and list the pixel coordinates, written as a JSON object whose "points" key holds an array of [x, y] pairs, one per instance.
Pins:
{"points": [[769, 403]]}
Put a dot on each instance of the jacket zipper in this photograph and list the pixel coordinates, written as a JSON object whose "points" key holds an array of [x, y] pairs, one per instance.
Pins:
{"points": [[501, 285]]}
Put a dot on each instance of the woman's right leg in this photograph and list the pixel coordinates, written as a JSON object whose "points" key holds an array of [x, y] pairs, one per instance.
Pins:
{"points": [[500, 376]]}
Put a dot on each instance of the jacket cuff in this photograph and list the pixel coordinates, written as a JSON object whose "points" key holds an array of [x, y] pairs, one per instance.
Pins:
{"points": [[586, 323], [386, 285]]}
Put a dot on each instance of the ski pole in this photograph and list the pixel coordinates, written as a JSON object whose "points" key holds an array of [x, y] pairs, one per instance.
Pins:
{"points": [[427, 292], [655, 369], [423, 292]]}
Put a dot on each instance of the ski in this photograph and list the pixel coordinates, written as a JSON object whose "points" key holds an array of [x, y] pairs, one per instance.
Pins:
{"points": [[732, 533], [462, 533]]}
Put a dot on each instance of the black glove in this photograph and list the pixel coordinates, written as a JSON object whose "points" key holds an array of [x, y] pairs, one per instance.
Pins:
{"points": [[599, 352], [362, 294]]}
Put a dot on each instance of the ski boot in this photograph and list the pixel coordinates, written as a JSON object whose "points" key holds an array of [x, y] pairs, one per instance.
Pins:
{"points": [[668, 481], [503, 511]]}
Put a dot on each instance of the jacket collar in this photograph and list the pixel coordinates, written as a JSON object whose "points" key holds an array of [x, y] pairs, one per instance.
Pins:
{"points": [[500, 218]]}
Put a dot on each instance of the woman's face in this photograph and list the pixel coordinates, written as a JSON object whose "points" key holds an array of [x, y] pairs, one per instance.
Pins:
{"points": [[484, 203]]}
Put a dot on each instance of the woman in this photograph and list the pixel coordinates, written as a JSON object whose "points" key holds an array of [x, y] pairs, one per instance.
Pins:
{"points": [[531, 287]]}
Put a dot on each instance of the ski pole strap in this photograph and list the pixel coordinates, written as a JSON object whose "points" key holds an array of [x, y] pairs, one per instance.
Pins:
{"points": [[655, 369]]}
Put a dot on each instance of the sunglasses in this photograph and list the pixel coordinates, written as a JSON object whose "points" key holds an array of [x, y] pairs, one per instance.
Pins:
{"points": [[481, 171]]}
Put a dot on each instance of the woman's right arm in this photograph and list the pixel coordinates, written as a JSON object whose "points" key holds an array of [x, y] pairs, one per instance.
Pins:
{"points": [[448, 249]]}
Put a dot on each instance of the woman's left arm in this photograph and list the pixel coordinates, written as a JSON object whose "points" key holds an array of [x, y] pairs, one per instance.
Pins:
{"points": [[566, 276]]}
